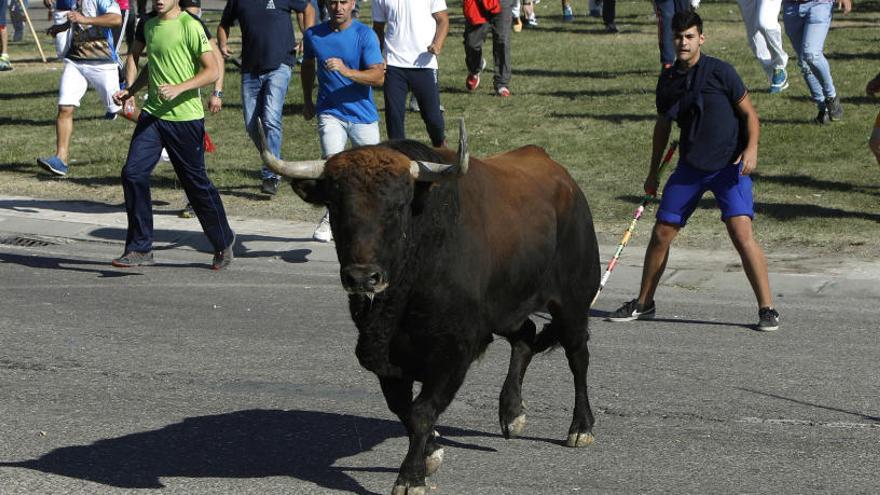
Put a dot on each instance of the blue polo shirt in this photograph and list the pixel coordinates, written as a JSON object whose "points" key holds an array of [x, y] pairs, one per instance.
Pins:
{"points": [[267, 39], [358, 47], [711, 138]]}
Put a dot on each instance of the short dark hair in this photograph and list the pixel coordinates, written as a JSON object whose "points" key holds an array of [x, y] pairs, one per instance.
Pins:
{"points": [[190, 3], [682, 21]]}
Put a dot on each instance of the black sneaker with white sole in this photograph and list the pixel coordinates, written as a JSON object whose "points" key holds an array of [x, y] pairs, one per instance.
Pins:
{"points": [[768, 319], [632, 310]]}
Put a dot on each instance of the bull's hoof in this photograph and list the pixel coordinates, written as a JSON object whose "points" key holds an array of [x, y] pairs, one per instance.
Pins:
{"points": [[409, 490], [516, 427], [582, 439], [433, 462]]}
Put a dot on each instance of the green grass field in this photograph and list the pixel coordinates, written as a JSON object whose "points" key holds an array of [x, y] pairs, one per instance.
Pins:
{"points": [[585, 96]]}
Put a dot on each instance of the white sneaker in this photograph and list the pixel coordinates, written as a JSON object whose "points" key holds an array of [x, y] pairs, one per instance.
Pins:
{"points": [[323, 232], [165, 157]]}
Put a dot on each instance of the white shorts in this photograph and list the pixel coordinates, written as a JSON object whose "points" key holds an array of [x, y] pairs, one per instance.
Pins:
{"points": [[77, 77]]}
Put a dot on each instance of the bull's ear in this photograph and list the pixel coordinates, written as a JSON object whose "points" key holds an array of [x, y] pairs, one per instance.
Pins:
{"points": [[310, 190]]}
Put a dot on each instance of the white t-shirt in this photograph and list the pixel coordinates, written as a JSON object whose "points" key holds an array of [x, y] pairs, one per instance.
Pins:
{"points": [[409, 30]]}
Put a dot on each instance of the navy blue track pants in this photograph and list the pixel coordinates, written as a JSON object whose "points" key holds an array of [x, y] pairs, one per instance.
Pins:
{"points": [[184, 142], [426, 89]]}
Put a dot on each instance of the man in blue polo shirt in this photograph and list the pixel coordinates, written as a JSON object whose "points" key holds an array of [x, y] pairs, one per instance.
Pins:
{"points": [[349, 63], [268, 54], [719, 149]]}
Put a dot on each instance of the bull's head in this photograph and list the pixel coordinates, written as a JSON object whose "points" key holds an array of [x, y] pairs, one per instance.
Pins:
{"points": [[372, 194]]}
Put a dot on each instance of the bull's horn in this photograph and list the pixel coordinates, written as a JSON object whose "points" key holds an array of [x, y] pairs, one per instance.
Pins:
{"points": [[309, 169], [430, 171]]}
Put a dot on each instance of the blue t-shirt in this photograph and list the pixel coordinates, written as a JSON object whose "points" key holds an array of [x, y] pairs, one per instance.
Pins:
{"points": [[339, 96], [711, 138], [267, 39]]}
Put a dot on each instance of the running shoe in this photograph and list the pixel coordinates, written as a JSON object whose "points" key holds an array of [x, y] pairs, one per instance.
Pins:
{"points": [[632, 310], [768, 319], [54, 165], [779, 80]]}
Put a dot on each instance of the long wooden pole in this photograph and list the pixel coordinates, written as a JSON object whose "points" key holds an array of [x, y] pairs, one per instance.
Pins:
{"points": [[33, 33]]}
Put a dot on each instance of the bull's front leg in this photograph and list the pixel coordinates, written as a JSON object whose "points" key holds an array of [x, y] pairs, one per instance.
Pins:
{"points": [[435, 396]]}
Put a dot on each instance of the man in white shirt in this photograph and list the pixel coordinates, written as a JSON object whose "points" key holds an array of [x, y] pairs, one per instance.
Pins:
{"points": [[412, 33]]}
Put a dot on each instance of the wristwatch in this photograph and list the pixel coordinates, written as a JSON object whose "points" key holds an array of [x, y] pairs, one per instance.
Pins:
{"points": [[218, 94]]}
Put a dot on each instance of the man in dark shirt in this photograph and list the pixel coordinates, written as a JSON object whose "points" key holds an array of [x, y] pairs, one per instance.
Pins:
{"points": [[719, 149], [268, 55]]}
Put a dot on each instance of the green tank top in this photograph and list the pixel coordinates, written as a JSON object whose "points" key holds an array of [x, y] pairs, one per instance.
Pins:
{"points": [[174, 47]]}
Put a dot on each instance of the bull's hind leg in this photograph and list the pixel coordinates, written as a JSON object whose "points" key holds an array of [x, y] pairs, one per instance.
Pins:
{"points": [[571, 326], [510, 404]]}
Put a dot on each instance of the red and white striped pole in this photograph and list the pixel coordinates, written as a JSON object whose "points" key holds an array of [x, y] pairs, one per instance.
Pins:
{"points": [[649, 195]]}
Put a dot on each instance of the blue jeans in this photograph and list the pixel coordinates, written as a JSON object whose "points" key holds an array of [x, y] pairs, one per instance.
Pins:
{"points": [[335, 132], [665, 10], [806, 25], [262, 95]]}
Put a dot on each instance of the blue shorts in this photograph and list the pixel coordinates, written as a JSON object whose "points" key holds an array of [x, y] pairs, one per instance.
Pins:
{"points": [[4, 5], [686, 185]]}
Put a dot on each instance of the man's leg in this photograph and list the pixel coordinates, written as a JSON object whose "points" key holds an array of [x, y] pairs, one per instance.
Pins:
{"points": [[656, 256], [5, 64], [501, 45], [274, 91], [395, 90], [733, 192], [105, 80], [426, 89], [754, 262], [63, 131], [143, 153], [473, 53], [794, 19], [364, 134], [664, 10], [72, 87], [251, 87], [609, 13], [818, 23], [681, 195], [768, 23], [331, 134], [183, 140], [750, 15]]}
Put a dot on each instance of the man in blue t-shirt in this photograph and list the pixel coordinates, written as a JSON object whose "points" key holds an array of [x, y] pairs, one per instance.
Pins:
{"points": [[268, 54], [719, 149], [349, 63]]}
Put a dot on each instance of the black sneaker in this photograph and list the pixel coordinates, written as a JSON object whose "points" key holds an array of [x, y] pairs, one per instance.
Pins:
{"points": [[222, 259], [134, 258], [632, 310], [823, 117], [270, 186], [611, 28], [768, 319], [835, 109]]}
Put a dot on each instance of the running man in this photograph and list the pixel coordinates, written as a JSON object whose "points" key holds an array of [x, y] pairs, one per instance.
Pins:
{"points": [[180, 62]]}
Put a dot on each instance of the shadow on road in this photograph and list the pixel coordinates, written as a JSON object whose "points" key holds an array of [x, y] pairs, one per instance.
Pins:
{"points": [[245, 444], [56, 263], [866, 417]]}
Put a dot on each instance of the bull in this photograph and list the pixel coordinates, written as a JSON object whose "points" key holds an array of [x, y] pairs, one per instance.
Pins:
{"points": [[439, 251]]}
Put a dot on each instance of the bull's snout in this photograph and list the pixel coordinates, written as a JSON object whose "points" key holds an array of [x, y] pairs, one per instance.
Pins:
{"points": [[364, 279]]}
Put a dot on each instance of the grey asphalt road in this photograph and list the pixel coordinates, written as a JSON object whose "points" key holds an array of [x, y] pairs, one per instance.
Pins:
{"points": [[179, 379]]}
